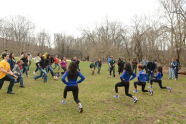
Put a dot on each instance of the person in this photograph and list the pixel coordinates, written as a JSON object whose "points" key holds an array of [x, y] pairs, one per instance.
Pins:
{"points": [[126, 76], [112, 66], [29, 56], [22, 55], [92, 67], [158, 79], [42, 68], [63, 64], [121, 64], [17, 70], [151, 67], [11, 60], [142, 78], [144, 63], [171, 70], [108, 61], [176, 67], [48, 63], [56, 63], [6, 74], [72, 84], [134, 65], [98, 65], [37, 59], [25, 64], [76, 60]]}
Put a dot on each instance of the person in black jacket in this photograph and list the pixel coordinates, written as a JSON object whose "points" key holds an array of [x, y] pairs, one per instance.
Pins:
{"points": [[49, 61], [134, 65], [25, 64], [112, 64], [121, 64], [151, 68], [98, 65], [76, 60], [42, 68]]}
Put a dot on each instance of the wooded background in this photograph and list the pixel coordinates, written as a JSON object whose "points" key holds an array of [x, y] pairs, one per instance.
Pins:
{"points": [[161, 38]]}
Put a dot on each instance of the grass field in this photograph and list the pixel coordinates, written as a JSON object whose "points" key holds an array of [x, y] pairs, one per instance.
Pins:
{"points": [[40, 103]]}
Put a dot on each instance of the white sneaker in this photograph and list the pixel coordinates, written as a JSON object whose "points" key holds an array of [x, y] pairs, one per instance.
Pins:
{"points": [[150, 87], [135, 91], [151, 92], [80, 108], [169, 88], [135, 99], [63, 102], [116, 96]]}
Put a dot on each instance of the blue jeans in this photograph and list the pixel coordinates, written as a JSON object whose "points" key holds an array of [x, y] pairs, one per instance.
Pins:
{"points": [[20, 80], [25, 70], [49, 68], [8, 78], [171, 73], [43, 74]]}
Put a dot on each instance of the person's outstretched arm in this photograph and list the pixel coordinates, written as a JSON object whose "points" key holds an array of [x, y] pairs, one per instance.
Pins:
{"points": [[133, 76]]}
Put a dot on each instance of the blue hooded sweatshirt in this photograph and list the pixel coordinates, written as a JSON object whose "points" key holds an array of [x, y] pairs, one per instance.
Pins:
{"points": [[125, 76], [72, 82], [142, 76]]}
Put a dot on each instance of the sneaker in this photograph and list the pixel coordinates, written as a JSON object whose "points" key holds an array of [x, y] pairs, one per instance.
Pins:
{"points": [[169, 88], [150, 87], [116, 96], [10, 92], [135, 91], [135, 99], [80, 110], [151, 92], [22, 86], [63, 102]]}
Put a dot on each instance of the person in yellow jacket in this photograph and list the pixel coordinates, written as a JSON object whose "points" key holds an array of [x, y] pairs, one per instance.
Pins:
{"points": [[6, 74]]}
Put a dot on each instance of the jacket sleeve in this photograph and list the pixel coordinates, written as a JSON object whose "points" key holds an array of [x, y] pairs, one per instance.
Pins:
{"points": [[64, 78], [133, 76], [82, 78]]}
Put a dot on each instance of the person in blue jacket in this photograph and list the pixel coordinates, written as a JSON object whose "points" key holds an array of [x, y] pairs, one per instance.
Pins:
{"points": [[72, 83], [142, 78], [158, 79], [126, 76]]}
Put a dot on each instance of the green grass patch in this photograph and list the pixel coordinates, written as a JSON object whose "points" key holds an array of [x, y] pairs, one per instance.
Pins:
{"points": [[39, 103]]}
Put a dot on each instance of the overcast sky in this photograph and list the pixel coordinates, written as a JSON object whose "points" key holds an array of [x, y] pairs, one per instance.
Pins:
{"points": [[71, 16]]}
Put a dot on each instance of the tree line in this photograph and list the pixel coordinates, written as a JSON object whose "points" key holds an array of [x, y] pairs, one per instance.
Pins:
{"points": [[161, 38]]}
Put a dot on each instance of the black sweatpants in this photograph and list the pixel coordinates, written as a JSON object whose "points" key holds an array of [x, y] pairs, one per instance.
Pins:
{"points": [[120, 70], [159, 82], [112, 69], [123, 84], [142, 84], [75, 91]]}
